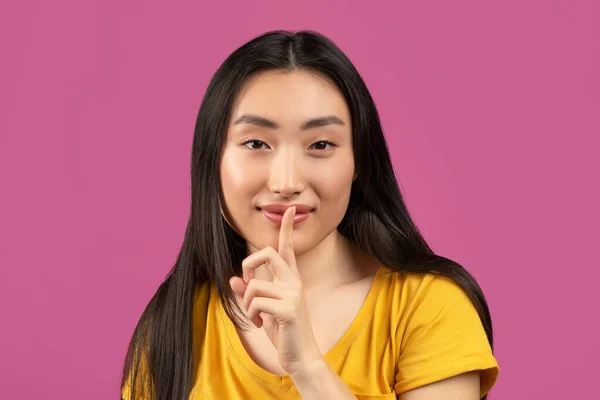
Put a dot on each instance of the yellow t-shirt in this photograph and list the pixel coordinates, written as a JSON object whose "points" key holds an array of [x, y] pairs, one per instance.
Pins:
{"points": [[411, 330]]}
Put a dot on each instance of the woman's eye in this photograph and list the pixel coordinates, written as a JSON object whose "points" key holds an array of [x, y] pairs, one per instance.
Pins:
{"points": [[254, 144], [322, 145]]}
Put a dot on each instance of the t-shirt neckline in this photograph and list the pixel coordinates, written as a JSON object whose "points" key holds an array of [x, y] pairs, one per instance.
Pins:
{"points": [[333, 355]]}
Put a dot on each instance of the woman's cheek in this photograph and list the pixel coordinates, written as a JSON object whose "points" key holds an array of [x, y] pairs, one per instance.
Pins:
{"points": [[237, 172], [236, 183], [335, 180]]}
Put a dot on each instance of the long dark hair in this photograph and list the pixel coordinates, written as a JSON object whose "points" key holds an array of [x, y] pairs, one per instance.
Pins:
{"points": [[377, 220]]}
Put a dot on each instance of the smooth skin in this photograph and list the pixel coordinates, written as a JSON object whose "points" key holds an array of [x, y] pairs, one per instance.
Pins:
{"points": [[292, 267]]}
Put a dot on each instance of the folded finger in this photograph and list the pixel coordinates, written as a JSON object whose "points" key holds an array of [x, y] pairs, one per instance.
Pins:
{"points": [[261, 288], [279, 309], [271, 259]]}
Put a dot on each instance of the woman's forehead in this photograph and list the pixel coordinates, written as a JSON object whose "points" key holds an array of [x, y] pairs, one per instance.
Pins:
{"points": [[289, 98]]}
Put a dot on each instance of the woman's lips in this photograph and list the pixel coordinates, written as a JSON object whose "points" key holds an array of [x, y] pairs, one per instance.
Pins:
{"points": [[277, 218]]}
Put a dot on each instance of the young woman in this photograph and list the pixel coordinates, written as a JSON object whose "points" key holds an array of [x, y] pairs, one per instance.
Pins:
{"points": [[301, 274]]}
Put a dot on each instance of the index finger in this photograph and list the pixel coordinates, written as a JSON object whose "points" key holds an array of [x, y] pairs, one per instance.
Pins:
{"points": [[286, 238]]}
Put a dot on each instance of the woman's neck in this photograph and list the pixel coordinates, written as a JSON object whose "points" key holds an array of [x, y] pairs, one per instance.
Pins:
{"points": [[332, 263]]}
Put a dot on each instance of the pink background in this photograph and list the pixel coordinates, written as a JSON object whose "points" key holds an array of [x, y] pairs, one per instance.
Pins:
{"points": [[492, 116]]}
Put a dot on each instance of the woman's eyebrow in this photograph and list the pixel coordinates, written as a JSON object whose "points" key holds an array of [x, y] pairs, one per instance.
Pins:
{"points": [[311, 123]]}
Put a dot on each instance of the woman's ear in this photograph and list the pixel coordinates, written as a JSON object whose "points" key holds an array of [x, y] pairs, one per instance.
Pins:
{"points": [[355, 176]]}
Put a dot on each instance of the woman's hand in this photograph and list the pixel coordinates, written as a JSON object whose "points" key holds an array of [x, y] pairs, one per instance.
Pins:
{"points": [[280, 306]]}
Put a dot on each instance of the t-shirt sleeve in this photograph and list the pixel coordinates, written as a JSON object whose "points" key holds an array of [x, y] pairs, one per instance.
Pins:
{"points": [[442, 336]]}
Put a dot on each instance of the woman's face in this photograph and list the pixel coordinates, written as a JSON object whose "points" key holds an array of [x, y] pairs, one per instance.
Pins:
{"points": [[273, 157]]}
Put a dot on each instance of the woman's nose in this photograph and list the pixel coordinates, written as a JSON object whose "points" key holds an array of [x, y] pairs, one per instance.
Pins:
{"points": [[286, 175]]}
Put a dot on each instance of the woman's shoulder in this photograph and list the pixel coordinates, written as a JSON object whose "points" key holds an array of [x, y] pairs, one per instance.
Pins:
{"points": [[437, 330], [418, 284], [407, 295]]}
